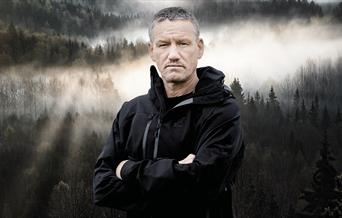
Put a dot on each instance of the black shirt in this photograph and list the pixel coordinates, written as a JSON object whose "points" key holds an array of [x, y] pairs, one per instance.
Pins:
{"points": [[172, 101]]}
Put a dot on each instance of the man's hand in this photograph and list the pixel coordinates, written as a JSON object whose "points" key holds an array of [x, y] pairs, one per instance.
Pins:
{"points": [[119, 167], [188, 159]]}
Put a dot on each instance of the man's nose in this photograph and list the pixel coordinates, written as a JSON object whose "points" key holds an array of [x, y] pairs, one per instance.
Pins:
{"points": [[173, 53]]}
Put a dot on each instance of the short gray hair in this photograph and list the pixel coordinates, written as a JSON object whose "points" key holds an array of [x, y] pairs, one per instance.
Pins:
{"points": [[173, 13]]}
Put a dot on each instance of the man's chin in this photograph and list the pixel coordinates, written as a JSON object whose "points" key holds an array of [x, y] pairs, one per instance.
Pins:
{"points": [[175, 80], [173, 74], [170, 70]]}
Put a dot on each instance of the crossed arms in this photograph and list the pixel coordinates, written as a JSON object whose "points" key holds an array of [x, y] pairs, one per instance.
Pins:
{"points": [[127, 184]]}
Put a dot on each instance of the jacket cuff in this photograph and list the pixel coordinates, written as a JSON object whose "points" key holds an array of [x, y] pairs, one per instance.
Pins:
{"points": [[127, 169]]}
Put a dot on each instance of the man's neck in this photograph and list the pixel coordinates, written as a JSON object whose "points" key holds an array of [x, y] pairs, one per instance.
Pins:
{"points": [[178, 89]]}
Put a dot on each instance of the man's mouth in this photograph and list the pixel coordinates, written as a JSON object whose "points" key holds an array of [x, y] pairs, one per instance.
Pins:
{"points": [[174, 65]]}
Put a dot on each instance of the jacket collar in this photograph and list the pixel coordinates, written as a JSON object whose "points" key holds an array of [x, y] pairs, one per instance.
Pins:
{"points": [[209, 89]]}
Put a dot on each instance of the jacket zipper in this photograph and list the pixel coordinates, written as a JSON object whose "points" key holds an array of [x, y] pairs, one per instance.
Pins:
{"points": [[145, 138], [156, 138]]}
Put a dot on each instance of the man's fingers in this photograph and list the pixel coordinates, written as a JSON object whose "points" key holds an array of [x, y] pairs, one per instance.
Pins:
{"points": [[191, 156], [118, 169], [188, 159]]}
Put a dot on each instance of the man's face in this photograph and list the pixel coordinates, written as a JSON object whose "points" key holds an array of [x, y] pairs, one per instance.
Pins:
{"points": [[175, 49]]}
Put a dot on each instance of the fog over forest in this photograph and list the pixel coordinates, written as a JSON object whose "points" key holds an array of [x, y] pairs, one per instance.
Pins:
{"points": [[242, 50], [66, 67], [246, 48]]}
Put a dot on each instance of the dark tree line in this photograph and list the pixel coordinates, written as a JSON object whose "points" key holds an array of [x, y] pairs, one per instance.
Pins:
{"points": [[222, 11], [89, 18], [46, 30], [283, 148], [60, 17], [18, 46], [337, 12], [226, 10]]}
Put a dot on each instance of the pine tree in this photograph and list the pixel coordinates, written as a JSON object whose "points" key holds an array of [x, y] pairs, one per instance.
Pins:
{"points": [[252, 107], [257, 97], [313, 114], [323, 200], [99, 50], [325, 122], [237, 91], [274, 106], [272, 97], [296, 99]]}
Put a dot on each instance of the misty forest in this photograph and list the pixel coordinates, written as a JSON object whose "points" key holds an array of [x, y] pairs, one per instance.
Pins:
{"points": [[66, 67]]}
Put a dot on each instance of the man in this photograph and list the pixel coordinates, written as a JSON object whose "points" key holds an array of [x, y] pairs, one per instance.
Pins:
{"points": [[173, 152]]}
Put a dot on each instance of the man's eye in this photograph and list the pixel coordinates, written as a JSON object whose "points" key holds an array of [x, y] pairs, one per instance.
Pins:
{"points": [[184, 43], [162, 45]]}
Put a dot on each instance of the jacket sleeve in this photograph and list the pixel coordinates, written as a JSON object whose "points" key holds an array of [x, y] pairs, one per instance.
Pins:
{"points": [[108, 189], [219, 143]]}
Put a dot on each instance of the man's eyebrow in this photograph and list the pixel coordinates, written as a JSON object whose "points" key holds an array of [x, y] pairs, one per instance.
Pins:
{"points": [[184, 40], [178, 40], [163, 41]]}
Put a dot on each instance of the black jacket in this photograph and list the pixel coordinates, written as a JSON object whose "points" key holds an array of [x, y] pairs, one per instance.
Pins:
{"points": [[154, 139]]}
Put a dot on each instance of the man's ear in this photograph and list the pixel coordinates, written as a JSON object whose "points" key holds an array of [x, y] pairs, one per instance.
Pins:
{"points": [[150, 50], [200, 45]]}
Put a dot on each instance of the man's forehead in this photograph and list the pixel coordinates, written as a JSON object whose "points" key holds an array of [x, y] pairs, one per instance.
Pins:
{"points": [[178, 28], [177, 37]]}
